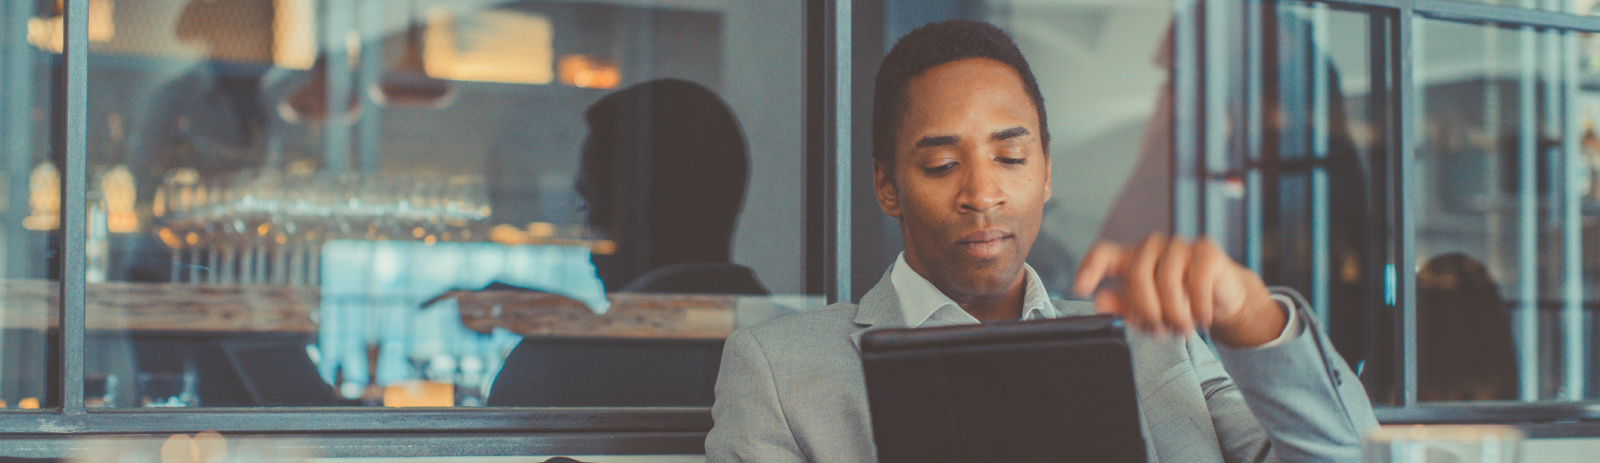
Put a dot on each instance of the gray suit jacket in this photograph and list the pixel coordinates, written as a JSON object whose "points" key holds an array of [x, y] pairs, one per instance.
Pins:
{"points": [[791, 390]]}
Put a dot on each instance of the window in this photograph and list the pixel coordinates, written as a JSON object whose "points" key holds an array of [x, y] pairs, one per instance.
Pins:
{"points": [[1422, 180], [30, 236], [299, 215], [275, 194]]}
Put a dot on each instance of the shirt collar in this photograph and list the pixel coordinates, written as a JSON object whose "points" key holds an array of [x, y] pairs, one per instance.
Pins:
{"points": [[922, 304]]}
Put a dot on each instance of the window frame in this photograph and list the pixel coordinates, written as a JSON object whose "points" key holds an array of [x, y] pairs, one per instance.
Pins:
{"points": [[828, 127], [1198, 166], [388, 432]]}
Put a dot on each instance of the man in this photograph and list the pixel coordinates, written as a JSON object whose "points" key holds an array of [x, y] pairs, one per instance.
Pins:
{"points": [[960, 158]]}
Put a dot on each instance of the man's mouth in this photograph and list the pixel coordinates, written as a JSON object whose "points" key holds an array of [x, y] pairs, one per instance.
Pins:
{"points": [[985, 244]]}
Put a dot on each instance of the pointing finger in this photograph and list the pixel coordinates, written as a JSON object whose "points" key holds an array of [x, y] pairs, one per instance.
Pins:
{"points": [[1104, 259]]}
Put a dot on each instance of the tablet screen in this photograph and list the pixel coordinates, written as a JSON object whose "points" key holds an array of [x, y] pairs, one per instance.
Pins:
{"points": [[1040, 390]]}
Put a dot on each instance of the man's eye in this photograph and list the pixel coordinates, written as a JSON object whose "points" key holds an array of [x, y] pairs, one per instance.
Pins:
{"points": [[1014, 161], [936, 170]]}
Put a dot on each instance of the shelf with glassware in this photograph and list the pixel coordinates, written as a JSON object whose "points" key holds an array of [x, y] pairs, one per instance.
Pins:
{"points": [[383, 281]]}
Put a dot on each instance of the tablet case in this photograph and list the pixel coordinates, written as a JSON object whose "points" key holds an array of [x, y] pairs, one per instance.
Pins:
{"points": [[1056, 390]]}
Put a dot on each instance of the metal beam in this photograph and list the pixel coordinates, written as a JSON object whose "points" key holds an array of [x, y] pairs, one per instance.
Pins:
{"points": [[403, 445], [1186, 150], [74, 181], [357, 420], [1526, 319], [828, 94], [1399, 276], [1484, 13]]}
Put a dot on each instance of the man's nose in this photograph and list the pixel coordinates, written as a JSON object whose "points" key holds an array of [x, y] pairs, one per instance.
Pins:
{"points": [[980, 189]]}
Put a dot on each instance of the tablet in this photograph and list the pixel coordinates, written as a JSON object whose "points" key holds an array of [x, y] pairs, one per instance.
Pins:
{"points": [[1058, 390]]}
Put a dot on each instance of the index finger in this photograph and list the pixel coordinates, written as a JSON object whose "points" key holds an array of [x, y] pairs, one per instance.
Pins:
{"points": [[1104, 258]]}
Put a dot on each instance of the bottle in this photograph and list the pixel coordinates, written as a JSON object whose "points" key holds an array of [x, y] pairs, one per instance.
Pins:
{"points": [[1590, 146]]}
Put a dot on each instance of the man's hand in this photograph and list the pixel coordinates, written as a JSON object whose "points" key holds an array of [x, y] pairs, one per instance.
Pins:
{"points": [[1173, 286]]}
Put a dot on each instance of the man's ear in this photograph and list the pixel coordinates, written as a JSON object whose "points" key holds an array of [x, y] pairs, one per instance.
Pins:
{"points": [[883, 184], [1049, 189]]}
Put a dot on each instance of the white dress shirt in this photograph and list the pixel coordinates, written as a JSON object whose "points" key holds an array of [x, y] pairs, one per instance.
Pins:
{"points": [[924, 305]]}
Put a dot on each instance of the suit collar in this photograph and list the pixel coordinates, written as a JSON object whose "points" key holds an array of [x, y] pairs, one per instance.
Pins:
{"points": [[879, 308]]}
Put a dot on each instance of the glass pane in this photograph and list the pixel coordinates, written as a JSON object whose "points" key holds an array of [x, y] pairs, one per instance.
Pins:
{"points": [[1498, 223], [439, 203], [30, 180], [1321, 203], [1105, 69]]}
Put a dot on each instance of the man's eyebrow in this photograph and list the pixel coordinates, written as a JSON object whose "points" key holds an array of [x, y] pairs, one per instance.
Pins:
{"points": [[932, 141], [1008, 134]]}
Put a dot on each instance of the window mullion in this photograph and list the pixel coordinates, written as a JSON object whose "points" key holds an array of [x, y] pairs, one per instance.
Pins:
{"points": [[73, 205], [1399, 275]]}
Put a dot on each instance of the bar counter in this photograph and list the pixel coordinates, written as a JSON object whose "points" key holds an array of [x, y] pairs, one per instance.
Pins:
{"points": [[251, 309]]}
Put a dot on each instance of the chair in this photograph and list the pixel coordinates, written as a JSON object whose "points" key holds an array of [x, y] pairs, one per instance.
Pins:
{"points": [[608, 372]]}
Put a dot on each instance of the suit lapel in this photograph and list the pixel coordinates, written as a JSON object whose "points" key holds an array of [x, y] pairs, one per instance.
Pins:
{"points": [[879, 308]]}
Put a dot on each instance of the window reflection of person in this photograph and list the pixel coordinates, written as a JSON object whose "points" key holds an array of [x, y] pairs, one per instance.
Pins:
{"points": [[1464, 351], [664, 171], [216, 118]]}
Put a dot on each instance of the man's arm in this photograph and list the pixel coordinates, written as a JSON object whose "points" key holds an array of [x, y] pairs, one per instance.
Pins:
{"points": [[1310, 405], [748, 421], [1301, 394]]}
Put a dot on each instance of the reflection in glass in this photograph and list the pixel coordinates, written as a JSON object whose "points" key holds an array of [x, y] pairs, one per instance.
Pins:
{"points": [[667, 189], [336, 202], [1328, 134], [1500, 217], [1105, 72], [1462, 333], [31, 180]]}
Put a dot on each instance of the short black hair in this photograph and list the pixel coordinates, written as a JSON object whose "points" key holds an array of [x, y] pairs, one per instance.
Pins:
{"points": [[931, 46]]}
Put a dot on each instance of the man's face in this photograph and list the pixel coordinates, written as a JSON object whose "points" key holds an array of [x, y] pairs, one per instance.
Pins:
{"points": [[970, 180]]}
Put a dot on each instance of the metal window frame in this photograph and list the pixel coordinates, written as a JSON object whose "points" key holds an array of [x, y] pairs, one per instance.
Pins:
{"points": [[510, 431], [376, 432], [1400, 137]]}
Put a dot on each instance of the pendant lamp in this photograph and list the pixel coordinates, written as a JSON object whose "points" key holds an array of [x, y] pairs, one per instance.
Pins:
{"points": [[408, 83]]}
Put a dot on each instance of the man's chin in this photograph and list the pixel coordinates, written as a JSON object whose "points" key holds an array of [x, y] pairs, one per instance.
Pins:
{"points": [[988, 281]]}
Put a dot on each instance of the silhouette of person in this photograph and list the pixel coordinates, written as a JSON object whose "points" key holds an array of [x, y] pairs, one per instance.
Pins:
{"points": [[1464, 348], [663, 173]]}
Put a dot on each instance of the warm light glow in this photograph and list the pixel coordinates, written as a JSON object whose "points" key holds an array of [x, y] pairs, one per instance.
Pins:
{"points": [[490, 46], [159, 205], [169, 238], [28, 403], [119, 193], [419, 394], [513, 236], [541, 229], [44, 198], [294, 34], [48, 33], [581, 71]]}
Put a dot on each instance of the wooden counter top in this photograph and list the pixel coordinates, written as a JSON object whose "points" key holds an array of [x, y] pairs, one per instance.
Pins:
{"points": [[225, 309]]}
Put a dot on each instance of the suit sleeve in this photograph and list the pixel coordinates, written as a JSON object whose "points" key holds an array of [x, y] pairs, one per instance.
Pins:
{"points": [[748, 419], [1297, 401]]}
